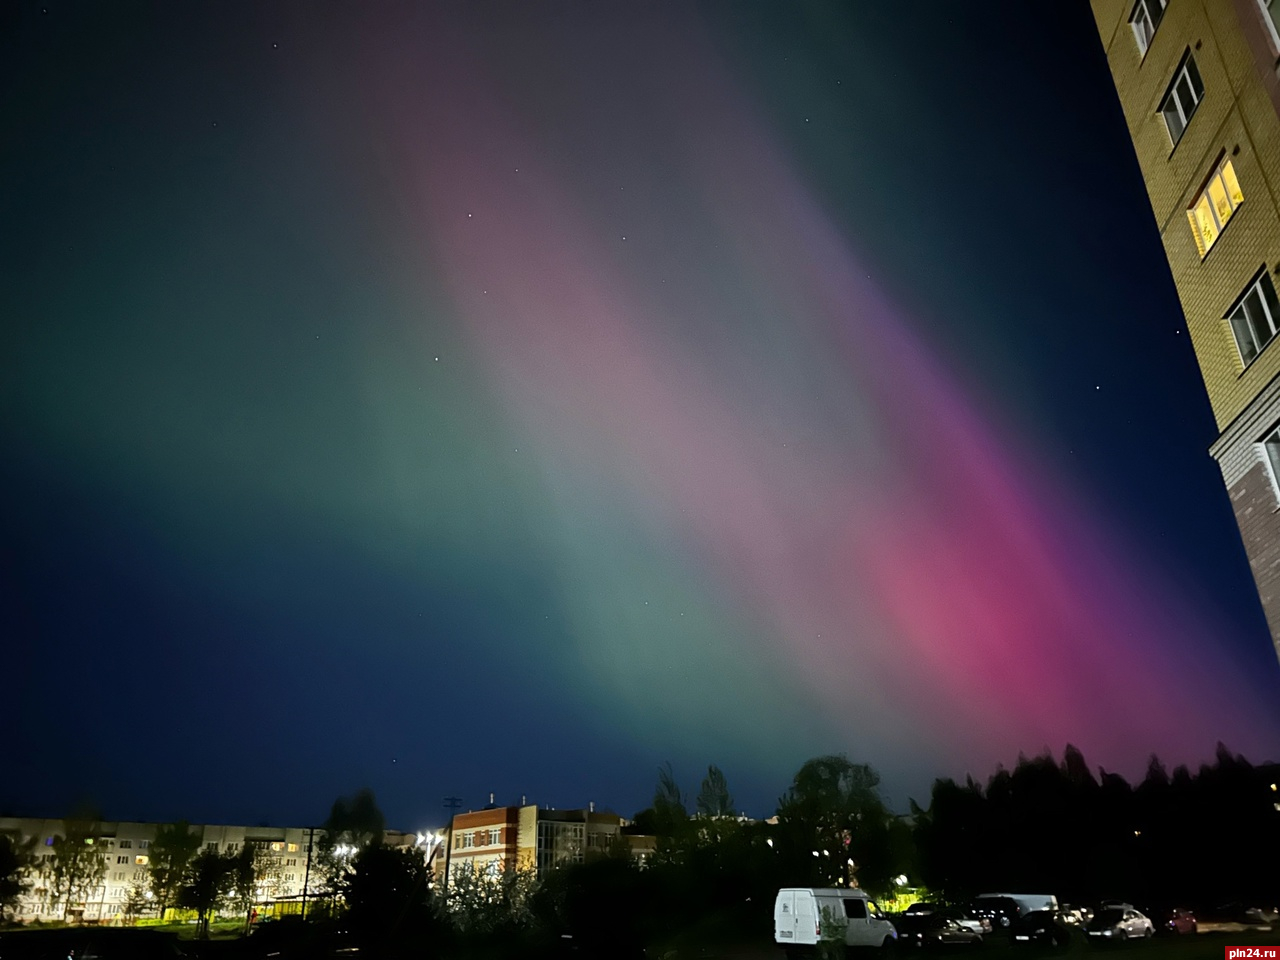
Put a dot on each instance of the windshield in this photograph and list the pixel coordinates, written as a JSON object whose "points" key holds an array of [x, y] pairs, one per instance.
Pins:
{"points": [[1107, 917]]}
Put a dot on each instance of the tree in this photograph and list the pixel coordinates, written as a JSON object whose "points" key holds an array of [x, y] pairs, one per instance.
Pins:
{"points": [[207, 884], [15, 857], [670, 815], [714, 799], [353, 824], [243, 871], [356, 820], [170, 857], [78, 863], [835, 825], [491, 904], [388, 898], [137, 900]]}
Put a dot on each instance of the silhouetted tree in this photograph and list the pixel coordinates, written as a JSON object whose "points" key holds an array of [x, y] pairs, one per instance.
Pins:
{"points": [[353, 824], [15, 858], [79, 862], [835, 826], [206, 885], [670, 815], [1204, 838], [169, 858], [714, 799], [389, 902]]}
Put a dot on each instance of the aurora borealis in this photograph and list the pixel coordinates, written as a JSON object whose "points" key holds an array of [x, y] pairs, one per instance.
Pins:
{"points": [[453, 398]]}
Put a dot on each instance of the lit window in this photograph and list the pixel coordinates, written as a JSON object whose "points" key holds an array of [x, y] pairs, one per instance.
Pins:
{"points": [[277, 846], [1255, 318], [1144, 20], [1184, 95], [1215, 205], [293, 848], [141, 861]]}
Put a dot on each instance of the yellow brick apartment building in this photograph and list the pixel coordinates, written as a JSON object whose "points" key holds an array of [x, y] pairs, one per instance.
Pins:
{"points": [[1199, 82]]}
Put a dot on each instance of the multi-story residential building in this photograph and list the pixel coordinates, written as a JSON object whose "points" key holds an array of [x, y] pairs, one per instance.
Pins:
{"points": [[1199, 82], [286, 858], [491, 840]]}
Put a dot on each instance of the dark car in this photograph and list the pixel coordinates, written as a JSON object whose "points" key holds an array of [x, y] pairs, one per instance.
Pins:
{"points": [[921, 907], [933, 930], [1041, 928], [1177, 920], [89, 943], [1001, 912]]}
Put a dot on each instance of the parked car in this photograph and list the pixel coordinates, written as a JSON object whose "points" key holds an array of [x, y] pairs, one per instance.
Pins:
{"points": [[934, 930], [1178, 920], [920, 908], [1000, 912], [1119, 923], [979, 925], [1026, 901], [799, 914], [1043, 928], [1076, 916]]}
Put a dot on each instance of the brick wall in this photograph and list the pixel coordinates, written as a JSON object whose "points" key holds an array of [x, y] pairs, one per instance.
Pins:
{"points": [[1253, 498]]}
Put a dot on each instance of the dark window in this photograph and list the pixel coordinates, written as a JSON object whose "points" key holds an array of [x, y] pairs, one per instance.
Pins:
{"points": [[1144, 20], [1184, 95], [855, 909], [1255, 318]]}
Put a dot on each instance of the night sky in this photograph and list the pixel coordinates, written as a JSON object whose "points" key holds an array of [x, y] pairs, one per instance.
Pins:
{"points": [[465, 397]]}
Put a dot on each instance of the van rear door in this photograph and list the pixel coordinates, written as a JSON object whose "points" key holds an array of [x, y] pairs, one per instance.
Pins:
{"points": [[784, 917], [806, 917]]}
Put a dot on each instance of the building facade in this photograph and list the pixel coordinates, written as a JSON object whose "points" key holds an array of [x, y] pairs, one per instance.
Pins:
{"points": [[489, 841], [285, 858], [1199, 83]]}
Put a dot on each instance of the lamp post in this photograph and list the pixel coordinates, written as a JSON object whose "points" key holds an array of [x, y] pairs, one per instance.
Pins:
{"points": [[306, 877], [451, 804]]}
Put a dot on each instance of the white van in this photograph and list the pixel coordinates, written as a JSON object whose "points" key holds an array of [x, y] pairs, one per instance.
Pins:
{"points": [[1028, 902], [799, 912]]}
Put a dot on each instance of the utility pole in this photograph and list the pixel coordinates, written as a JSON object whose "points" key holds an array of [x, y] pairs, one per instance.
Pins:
{"points": [[451, 804], [306, 877]]}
